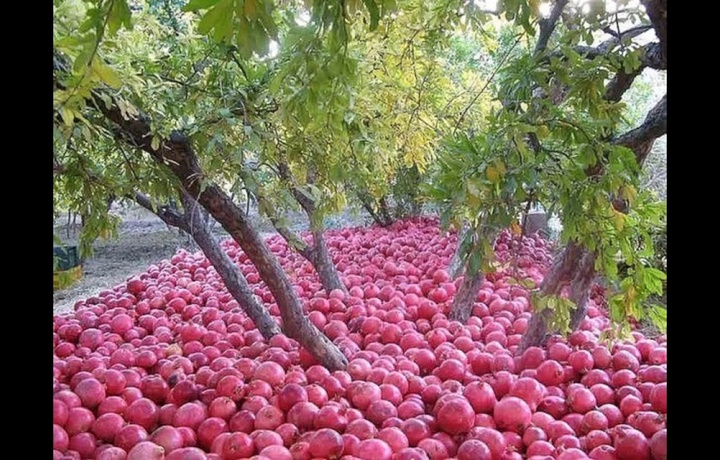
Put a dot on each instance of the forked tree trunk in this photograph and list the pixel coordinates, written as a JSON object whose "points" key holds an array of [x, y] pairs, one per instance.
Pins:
{"points": [[464, 300], [235, 283], [177, 154], [317, 254], [574, 266], [295, 323], [191, 223]]}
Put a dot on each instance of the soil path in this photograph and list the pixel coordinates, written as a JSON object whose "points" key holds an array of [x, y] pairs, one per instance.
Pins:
{"points": [[139, 244], [142, 240]]}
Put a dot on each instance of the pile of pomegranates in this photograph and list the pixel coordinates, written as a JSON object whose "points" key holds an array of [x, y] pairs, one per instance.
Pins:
{"points": [[167, 365]]}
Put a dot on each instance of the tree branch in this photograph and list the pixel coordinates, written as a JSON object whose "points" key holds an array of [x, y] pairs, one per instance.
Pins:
{"points": [[547, 25], [177, 154], [620, 83], [307, 203], [651, 56], [640, 139], [166, 213], [657, 12]]}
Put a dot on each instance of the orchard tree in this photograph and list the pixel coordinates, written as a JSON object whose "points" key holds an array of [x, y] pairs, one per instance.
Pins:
{"points": [[155, 103], [173, 102], [555, 141]]}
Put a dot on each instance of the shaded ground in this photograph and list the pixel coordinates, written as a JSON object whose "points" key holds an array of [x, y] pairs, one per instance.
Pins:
{"points": [[143, 240]]}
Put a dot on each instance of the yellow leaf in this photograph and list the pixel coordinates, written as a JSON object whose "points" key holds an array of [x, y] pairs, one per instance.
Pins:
{"points": [[619, 220], [155, 143], [500, 167], [67, 115], [628, 193], [631, 293], [492, 174], [106, 74], [515, 228], [543, 131]]}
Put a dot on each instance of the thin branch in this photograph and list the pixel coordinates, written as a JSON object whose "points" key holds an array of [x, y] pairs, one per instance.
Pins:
{"points": [[197, 67], [235, 59], [590, 52], [127, 161], [186, 85], [168, 215], [419, 98], [307, 203], [487, 83], [409, 42]]}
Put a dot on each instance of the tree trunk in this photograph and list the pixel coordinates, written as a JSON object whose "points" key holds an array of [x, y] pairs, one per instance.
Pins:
{"points": [[235, 283], [295, 324], [456, 265], [565, 265], [580, 289], [377, 217], [177, 154], [317, 254], [384, 210], [464, 300], [323, 263]]}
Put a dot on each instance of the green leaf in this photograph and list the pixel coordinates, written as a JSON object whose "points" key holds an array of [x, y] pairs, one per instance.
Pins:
{"points": [[106, 74], [119, 16], [213, 18], [73, 41], [372, 7], [82, 60], [195, 5], [658, 316], [655, 273]]}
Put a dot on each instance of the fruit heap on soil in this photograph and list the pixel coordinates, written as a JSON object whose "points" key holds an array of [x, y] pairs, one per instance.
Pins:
{"points": [[168, 366]]}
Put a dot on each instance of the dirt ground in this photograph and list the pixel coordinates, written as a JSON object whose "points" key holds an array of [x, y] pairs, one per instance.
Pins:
{"points": [[143, 240]]}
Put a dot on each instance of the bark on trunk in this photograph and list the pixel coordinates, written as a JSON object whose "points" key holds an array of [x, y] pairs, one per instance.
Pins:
{"points": [[235, 283], [464, 300], [560, 275], [456, 265], [192, 224], [317, 254], [377, 217], [384, 210], [323, 263], [580, 289]]}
